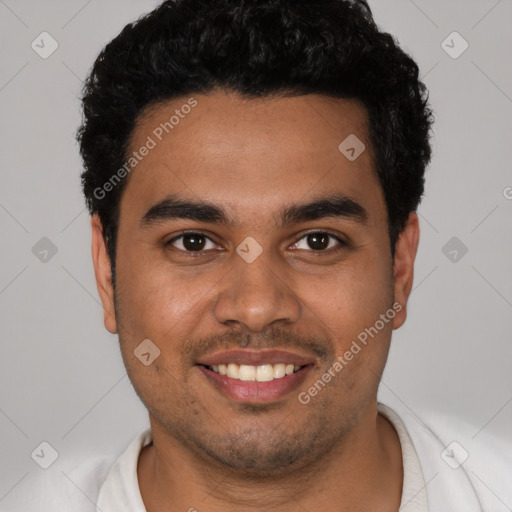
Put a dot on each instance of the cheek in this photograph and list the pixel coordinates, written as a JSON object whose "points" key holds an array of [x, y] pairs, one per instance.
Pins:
{"points": [[355, 303], [155, 303], [154, 306], [352, 297], [148, 294]]}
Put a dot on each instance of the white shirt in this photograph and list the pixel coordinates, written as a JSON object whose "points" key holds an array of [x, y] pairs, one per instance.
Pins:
{"points": [[434, 479]]}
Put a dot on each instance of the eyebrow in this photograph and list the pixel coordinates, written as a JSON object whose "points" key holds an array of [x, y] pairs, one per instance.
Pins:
{"points": [[175, 207]]}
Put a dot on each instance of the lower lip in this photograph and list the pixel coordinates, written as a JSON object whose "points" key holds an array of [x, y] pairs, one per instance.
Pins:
{"points": [[256, 392]]}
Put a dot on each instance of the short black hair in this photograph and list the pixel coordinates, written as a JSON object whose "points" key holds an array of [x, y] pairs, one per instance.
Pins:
{"points": [[256, 48]]}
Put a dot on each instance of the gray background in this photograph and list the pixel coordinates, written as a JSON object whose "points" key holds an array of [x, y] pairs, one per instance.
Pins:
{"points": [[61, 375]]}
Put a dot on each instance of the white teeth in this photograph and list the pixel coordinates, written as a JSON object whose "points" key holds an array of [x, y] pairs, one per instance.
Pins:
{"points": [[265, 373], [233, 371], [261, 373], [247, 372], [279, 371]]}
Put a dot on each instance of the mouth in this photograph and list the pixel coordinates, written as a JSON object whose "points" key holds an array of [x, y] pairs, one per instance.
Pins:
{"points": [[255, 376], [250, 373]]}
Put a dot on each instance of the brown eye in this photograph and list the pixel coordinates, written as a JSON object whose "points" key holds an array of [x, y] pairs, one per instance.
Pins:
{"points": [[191, 242], [319, 241]]}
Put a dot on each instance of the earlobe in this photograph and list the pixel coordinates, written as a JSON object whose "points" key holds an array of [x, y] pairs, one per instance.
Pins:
{"points": [[103, 273], [403, 266]]}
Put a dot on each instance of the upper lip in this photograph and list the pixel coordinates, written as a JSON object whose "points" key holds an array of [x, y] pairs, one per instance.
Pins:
{"points": [[255, 358]]}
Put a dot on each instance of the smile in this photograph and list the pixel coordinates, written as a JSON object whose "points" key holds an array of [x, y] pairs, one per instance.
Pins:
{"points": [[260, 373]]}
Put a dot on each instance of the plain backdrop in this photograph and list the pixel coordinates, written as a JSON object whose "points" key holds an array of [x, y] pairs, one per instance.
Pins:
{"points": [[61, 376]]}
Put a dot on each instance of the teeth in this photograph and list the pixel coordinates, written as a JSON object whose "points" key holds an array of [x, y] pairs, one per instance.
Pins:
{"points": [[262, 373], [233, 371], [247, 372], [265, 373], [279, 371]]}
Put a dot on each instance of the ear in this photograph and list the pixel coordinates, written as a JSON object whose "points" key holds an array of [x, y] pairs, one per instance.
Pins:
{"points": [[103, 272], [403, 266]]}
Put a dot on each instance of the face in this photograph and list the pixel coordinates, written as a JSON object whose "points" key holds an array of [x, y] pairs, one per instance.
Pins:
{"points": [[255, 256]]}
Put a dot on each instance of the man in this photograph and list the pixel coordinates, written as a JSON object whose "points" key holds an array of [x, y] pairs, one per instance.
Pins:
{"points": [[252, 170]]}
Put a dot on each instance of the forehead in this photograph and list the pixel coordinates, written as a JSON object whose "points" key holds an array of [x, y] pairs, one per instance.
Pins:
{"points": [[251, 153]]}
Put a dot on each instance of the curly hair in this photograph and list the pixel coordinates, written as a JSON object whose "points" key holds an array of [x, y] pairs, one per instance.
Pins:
{"points": [[257, 48]]}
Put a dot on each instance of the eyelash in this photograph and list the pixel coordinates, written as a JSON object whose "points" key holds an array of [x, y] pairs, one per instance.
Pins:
{"points": [[195, 254]]}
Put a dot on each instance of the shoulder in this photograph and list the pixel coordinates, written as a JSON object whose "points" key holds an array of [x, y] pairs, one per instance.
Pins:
{"points": [[453, 449], [75, 480], [62, 487]]}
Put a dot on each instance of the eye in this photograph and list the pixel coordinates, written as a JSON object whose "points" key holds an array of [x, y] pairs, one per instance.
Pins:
{"points": [[192, 242], [319, 241]]}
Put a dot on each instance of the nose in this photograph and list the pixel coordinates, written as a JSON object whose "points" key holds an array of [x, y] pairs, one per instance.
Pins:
{"points": [[257, 295]]}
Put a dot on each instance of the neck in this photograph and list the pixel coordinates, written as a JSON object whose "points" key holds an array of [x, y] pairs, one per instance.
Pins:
{"points": [[363, 471]]}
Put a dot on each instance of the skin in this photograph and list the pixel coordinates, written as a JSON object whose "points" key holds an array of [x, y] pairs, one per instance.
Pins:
{"points": [[252, 158]]}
